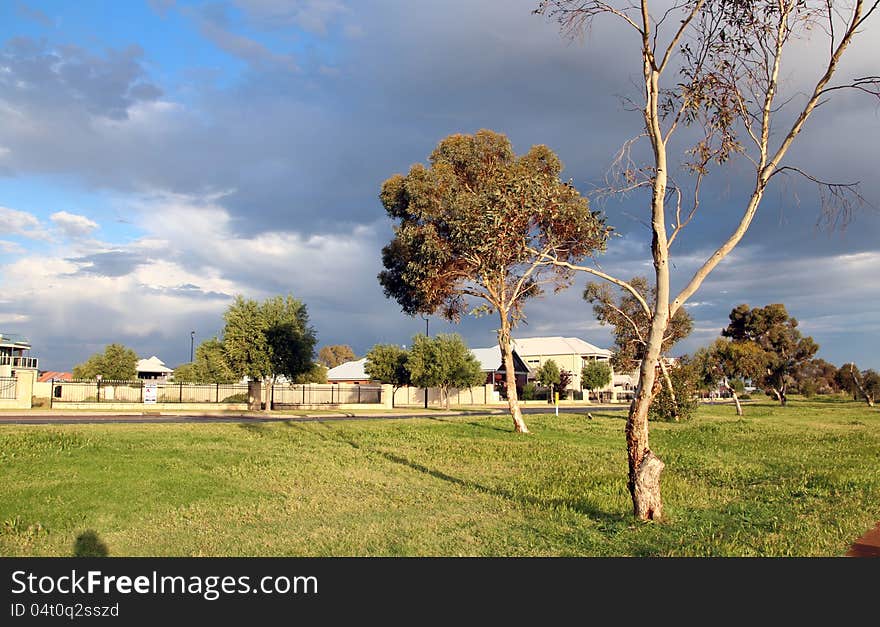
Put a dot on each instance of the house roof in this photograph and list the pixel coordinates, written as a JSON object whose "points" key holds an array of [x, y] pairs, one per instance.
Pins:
{"points": [[14, 340], [557, 345], [491, 359], [350, 370], [49, 375], [153, 364]]}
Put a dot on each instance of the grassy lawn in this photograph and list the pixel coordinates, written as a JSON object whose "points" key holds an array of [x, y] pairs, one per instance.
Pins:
{"points": [[796, 481]]}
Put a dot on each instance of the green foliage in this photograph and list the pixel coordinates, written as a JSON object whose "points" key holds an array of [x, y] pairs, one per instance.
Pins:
{"points": [[595, 375], [387, 363], [236, 398], [116, 363], [271, 338], [444, 361], [210, 365], [548, 374], [317, 373], [185, 373], [685, 379], [530, 391], [335, 355], [770, 329]]}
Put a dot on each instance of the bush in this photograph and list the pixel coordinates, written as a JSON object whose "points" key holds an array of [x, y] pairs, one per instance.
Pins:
{"points": [[684, 382], [236, 398], [39, 402], [529, 392]]}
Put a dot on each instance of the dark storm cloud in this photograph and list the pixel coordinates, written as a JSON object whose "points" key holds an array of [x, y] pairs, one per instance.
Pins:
{"points": [[113, 263]]}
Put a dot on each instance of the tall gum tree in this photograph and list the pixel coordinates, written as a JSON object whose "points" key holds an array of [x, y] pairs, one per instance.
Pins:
{"points": [[714, 66], [478, 223]]}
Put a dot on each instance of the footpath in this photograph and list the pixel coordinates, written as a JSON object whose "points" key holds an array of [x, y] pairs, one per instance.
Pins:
{"points": [[868, 545]]}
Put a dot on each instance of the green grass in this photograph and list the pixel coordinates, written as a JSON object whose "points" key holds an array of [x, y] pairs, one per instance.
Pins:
{"points": [[796, 481]]}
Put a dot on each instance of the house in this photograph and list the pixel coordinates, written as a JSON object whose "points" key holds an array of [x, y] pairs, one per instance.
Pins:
{"points": [[14, 351], [349, 372], [569, 353], [492, 363], [152, 369]]}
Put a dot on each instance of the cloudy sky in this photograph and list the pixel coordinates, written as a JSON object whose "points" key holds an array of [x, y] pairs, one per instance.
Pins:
{"points": [[159, 157]]}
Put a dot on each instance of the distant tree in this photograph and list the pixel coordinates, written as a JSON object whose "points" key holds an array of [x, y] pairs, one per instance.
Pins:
{"points": [[116, 363], [772, 330], [265, 340], [185, 373], [864, 384], [210, 365], [317, 373], [387, 363], [444, 362], [632, 324], [478, 223], [335, 355], [595, 375], [565, 379], [727, 360], [548, 376], [818, 375]]}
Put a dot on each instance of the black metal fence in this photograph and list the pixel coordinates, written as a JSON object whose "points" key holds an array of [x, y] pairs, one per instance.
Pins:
{"points": [[7, 388], [322, 394], [94, 391]]}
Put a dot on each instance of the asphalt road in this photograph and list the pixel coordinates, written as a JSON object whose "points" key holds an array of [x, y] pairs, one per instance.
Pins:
{"points": [[85, 419]]}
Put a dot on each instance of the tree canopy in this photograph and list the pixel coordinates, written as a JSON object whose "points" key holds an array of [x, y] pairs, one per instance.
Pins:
{"points": [[388, 363], [548, 374], [116, 363], [595, 375], [473, 230], [335, 355], [445, 362], [268, 339], [210, 365]]}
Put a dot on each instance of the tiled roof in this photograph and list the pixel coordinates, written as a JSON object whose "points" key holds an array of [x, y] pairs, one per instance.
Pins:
{"points": [[54, 374]]}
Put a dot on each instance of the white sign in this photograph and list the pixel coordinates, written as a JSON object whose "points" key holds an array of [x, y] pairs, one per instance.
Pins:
{"points": [[151, 392]]}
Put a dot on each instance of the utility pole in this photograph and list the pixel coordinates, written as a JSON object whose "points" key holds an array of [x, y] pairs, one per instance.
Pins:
{"points": [[426, 335], [192, 340]]}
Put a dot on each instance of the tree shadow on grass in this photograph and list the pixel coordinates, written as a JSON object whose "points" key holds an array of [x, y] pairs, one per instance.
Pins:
{"points": [[89, 544], [577, 505]]}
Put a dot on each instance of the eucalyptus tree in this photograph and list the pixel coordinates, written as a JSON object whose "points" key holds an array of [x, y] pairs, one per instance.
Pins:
{"points": [[474, 231], [725, 69]]}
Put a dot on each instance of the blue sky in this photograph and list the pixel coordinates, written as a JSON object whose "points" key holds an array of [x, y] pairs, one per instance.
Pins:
{"points": [[159, 157]]}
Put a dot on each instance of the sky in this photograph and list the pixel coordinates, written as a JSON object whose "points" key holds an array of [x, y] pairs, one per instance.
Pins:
{"points": [[158, 158]]}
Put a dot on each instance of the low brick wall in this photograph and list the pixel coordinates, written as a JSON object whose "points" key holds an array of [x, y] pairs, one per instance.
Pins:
{"points": [[153, 406]]}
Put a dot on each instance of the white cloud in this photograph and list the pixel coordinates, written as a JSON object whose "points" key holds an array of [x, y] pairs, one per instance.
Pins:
{"points": [[15, 222], [73, 225]]}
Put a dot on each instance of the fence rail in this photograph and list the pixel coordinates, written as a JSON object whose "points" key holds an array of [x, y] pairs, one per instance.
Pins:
{"points": [[93, 391], [7, 388]]}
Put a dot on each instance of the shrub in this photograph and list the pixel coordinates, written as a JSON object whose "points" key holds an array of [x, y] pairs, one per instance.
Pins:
{"points": [[236, 398], [684, 383], [530, 391], [39, 402]]}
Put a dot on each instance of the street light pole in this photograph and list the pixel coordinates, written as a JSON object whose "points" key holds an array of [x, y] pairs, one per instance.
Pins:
{"points": [[426, 335], [192, 339]]}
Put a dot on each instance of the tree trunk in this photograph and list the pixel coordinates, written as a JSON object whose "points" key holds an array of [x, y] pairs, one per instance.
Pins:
{"points": [[644, 466], [269, 385], [779, 396], [869, 399], [510, 374], [669, 387], [739, 409]]}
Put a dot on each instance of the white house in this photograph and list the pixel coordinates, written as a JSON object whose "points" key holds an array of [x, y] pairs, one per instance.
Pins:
{"points": [[569, 353], [152, 368]]}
